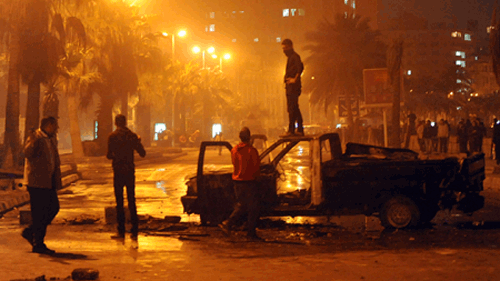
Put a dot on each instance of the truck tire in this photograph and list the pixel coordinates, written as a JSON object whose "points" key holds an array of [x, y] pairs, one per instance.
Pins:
{"points": [[399, 212]]}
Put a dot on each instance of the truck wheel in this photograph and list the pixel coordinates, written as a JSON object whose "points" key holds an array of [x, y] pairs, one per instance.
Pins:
{"points": [[399, 212]]}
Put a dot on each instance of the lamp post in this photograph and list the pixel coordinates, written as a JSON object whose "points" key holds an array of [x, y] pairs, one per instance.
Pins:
{"points": [[181, 33], [197, 50], [226, 57]]}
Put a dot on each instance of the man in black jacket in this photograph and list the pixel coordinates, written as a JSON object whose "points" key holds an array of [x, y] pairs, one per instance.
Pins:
{"points": [[121, 145], [293, 86]]}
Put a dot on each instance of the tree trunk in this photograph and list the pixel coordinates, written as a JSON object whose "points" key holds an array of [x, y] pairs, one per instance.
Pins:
{"points": [[144, 123], [32, 107], [104, 125], [124, 105], [75, 133], [11, 137], [394, 68], [174, 117]]}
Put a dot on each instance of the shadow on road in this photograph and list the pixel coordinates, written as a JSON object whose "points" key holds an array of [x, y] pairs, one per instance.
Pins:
{"points": [[479, 225]]}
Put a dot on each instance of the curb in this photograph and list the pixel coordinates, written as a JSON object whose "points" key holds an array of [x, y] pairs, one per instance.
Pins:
{"points": [[18, 197]]}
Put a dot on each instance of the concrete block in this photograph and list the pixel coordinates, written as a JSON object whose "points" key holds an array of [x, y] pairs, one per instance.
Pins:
{"points": [[65, 168], [67, 180], [110, 214]]}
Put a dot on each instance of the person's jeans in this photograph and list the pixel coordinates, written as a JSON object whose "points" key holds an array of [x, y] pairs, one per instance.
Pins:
{"points": [[294, 115], [443, 145], [248, 202], [120, 180], [44, 208]]}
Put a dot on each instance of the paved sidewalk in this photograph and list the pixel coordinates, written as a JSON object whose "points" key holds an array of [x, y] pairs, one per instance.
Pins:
{"points": [[16, 195]]}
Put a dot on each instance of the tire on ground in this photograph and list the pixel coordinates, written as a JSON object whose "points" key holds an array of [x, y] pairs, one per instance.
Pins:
{"points": [[399, 212]]}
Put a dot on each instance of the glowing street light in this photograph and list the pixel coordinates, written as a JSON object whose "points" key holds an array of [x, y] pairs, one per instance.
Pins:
{"points": [[210, 50], [181, 33], [226, 57]]}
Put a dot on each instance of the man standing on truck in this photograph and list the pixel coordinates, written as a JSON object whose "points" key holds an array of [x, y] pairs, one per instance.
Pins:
{"points": [[121, 145], [246, 165], [293, 86]]}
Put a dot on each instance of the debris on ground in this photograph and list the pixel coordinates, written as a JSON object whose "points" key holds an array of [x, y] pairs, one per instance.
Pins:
{"points": [[82, 219], [42, 278], [85, 274]]}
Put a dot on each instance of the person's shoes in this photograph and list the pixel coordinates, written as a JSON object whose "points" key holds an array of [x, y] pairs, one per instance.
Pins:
{"points": [[301, 134], [42, 249], [119, 235], [287, 134], [225, 228], [28, 235]]}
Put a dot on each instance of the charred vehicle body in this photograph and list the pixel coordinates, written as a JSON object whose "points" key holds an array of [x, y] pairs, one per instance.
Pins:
{"points": [[393, 184]]}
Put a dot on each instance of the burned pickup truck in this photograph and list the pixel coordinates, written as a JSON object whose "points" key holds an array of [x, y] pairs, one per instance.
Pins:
{"points": [[311, 176]]}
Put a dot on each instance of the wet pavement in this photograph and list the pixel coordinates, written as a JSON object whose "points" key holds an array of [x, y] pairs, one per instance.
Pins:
{"points": [[456, 247]]}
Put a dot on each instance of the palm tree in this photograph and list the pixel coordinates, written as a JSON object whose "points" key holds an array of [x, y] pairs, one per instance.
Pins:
{"points": [[12, 14], [340, 50], [118, 33], [216, 98]]}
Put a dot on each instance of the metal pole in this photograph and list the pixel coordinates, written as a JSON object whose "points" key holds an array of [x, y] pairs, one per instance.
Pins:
{"points": [[173, 47], [385, 127], [203, 55]]}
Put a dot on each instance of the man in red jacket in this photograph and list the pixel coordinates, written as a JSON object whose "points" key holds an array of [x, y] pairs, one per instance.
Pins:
{"points": [[246, 164]]}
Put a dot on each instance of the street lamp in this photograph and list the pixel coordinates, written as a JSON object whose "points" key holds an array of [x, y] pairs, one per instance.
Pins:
{"points": [[197, 50], [181, 33], [225, 56]]}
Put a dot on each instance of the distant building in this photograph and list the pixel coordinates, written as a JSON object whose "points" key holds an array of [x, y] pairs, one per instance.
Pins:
{"points": [[484, 81]]}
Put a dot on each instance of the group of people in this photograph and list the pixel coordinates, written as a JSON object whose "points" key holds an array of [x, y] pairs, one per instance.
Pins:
{"points": [[432, 138], [470, 135], [43, 178], [43, 167], [436, 137]]}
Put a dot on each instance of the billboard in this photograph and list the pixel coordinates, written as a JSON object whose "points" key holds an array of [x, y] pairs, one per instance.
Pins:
{"points": [[343, 107], [376, 86]]}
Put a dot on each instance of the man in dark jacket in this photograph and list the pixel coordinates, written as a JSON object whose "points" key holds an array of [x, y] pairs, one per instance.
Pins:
{"points": [[293, 86], [121, 145], [246, 164], [462, 136], [43, 178], [496, 140]]}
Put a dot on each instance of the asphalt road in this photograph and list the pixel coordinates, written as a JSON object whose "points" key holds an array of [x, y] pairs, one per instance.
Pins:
{"points": [[455, 247]]}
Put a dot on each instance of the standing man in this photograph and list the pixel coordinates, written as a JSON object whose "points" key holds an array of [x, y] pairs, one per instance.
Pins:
{"points": [[246, 164], [462, 136], [443, 135], [121, 145], [293, 86], [496, 140], [43, 178]]}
